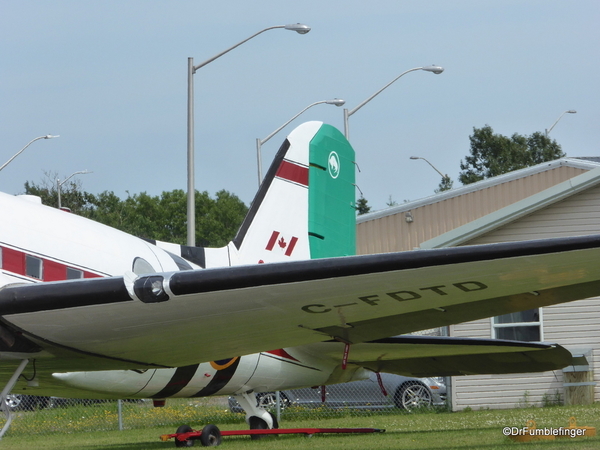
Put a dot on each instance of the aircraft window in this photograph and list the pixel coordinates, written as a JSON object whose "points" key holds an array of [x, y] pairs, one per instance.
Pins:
{"points": [[519, 326], [181, 263], [33, 267], [74, 274], [141, 266]]}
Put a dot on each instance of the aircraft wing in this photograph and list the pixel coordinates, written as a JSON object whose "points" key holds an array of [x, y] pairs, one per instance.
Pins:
{"points": [[429, 356], [180, 318]]}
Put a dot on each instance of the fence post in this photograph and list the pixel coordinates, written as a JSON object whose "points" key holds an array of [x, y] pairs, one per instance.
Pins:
{"points": [[120, 413]]}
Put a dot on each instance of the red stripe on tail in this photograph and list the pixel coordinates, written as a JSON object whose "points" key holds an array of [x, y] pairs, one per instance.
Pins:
{"points": [[293, 172]]}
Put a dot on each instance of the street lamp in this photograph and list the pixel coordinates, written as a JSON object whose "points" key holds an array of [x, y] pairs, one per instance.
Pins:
{"points": [[434, 168], [569, 111], [348, 113], [259, 142], [446, 182], [48, 136], [191, 190], [60, 183]]}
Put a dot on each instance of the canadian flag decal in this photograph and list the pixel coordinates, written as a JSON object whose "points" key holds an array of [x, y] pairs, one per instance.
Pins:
{"points": [[277, 239]]}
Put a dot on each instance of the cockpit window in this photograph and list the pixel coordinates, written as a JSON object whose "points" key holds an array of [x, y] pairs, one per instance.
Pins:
{"points": [[142, 267], [181, 263]]}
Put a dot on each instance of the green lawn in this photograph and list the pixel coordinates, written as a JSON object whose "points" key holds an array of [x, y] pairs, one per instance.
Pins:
{"points": [[424, 430]]}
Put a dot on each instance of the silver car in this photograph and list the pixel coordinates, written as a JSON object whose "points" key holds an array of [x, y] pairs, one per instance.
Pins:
{"points": [[402, 392]]}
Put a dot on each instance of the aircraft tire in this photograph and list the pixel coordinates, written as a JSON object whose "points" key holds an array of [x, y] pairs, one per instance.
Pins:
{"points": [[256, 423]]}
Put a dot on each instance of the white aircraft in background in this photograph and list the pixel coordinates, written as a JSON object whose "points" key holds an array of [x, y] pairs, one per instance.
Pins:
{"points": [[88, 311]]}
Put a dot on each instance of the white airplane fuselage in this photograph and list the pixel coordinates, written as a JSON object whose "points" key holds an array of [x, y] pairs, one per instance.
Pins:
{"points": [[43, 244]]}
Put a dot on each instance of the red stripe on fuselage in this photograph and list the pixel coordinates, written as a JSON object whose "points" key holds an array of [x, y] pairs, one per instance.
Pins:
{"points": [[282, 354], [293, 172]]}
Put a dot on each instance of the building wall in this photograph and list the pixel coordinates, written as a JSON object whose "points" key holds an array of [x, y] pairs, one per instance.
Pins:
{"points": [[573, 325], [392, 233]]}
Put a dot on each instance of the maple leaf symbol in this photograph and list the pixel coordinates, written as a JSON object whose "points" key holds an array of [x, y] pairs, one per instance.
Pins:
{"points": [[282, 243]]}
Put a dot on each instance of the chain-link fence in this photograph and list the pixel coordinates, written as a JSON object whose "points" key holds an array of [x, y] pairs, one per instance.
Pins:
{"points": [[391, 394], [380, 394]]}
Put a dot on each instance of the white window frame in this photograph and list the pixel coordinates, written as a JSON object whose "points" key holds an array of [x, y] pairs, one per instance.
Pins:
{"points": [[539, 323]]}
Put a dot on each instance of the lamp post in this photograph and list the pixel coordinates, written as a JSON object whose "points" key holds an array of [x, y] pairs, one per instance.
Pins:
{"points": [[191, 190], [434, 168], [48, 136], [445, 178], [60, 183], [260, 142], [569, 111], [348, 113]]}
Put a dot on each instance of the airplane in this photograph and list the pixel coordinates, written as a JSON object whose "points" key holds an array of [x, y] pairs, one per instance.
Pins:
{"points": [[89, 311]]}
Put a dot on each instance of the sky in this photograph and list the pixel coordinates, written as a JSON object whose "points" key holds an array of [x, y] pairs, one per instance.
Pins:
{"points": [[110, 77]]}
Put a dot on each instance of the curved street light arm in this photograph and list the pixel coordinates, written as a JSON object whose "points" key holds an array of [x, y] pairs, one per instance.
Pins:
{"points": [[433, 167], [260, 142], [348, 113], [48, 136], [298, 28], [289, 121], [570, 111], [191, 189], [352, 111], [60, 183]]}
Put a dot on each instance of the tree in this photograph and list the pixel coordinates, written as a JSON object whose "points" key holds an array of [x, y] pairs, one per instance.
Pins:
{"points": [[494, 154], [163, 217], [361, 206], [71, 194], [391, 202], [445, 185]]}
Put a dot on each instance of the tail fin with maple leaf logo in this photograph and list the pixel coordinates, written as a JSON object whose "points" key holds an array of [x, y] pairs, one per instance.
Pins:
{"points": [[305, 207]]}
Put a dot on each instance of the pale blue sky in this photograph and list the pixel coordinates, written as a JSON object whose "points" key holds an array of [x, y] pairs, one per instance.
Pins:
{"points": [[110, 78]]}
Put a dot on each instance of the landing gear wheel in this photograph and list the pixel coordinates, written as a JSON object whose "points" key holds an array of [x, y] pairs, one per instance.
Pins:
{"points": [[256, 423], [268, 400], [211, 436], [186, 443]]}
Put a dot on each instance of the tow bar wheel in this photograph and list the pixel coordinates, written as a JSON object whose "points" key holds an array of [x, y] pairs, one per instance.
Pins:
{"points": [[209, 437], [188, 442]]}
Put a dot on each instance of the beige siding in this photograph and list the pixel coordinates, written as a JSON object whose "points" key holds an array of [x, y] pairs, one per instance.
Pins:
{"points": [[506, 391], [572, 325], [575, 216], [392, 233]]}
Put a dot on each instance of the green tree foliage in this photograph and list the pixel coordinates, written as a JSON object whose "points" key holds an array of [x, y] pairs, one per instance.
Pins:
{"points": [[494, 154], [71, 194], [361, 206], [445, 185], [162, 217]]}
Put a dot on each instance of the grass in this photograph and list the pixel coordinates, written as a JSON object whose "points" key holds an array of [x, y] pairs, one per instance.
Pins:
{"points": [[423, 430]]}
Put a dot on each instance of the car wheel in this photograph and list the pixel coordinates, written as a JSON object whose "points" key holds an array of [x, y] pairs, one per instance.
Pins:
{"points": [[13, 401], [268, 400], [411, 396], [21, 402]]}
